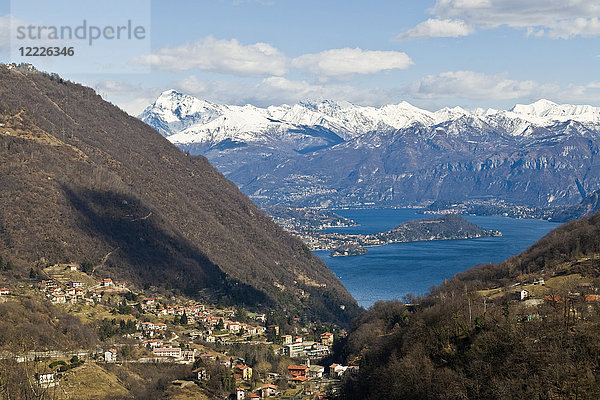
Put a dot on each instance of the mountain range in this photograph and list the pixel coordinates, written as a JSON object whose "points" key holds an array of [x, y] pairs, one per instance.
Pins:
{"points": [[80, 180], [338, 154]]}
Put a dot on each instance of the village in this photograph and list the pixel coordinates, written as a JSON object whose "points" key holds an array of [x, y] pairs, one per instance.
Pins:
{"points": [[136, 328], [216, 342]]}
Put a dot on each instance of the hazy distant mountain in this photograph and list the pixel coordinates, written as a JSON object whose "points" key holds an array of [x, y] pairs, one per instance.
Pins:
{"points": [[588, 206], [328, 153]]}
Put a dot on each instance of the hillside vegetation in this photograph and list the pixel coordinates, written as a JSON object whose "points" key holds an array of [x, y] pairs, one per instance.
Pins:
{"points": [[527, 328], [81, 180]]}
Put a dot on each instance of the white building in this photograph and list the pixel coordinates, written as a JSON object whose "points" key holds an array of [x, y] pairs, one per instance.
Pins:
{"points": [[46, 380], [174, 352], [110, 356]]}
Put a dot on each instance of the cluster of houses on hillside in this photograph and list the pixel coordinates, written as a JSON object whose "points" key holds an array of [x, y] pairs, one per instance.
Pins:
{"points": [[77, 291], [313, 379]]}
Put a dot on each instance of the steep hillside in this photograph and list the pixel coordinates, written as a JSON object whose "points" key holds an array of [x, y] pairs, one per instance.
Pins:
{"points": [[573, 247], [81, 180], [525, 328]]}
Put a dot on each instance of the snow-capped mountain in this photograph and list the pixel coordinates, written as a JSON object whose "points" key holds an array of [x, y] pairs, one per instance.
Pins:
{"points": [[338, 153], [188, 120]]}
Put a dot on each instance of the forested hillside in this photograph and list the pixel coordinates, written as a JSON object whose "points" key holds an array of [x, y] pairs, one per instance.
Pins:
{"points": [[527, 328], [80, 180]]}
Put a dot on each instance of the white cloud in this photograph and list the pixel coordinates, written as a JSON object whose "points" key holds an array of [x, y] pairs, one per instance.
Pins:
{"points": [[346, 62], [471, 85], [222, 56], [279, 90], [588, 93], [5, 23], [8, 24], [262, 59], [437, 28], [553, 18], [476, 86], [131, 98], [585, 27]]}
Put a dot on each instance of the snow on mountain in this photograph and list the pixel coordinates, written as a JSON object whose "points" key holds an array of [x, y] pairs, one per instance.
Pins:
{"points": [[174, 112], [187, 120], [544, 112]]}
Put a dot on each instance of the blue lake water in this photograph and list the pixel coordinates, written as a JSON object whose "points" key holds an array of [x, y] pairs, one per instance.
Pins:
{"points": [[392, 271]]}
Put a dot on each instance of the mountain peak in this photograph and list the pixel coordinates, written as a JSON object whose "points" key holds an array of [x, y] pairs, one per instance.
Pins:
{"points": [[539, 108]]}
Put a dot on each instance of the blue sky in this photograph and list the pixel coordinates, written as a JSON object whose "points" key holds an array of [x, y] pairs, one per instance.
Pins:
{"points": [[470, 53]]}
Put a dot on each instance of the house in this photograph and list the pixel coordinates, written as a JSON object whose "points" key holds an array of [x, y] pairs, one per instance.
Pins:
{"points": [[59, 299], [287, 339], [233, 327], [327, 339], [336, 370], [145, 326], [75, 284], [201, 374], [293, 350], [110, 356], [261, 330], [240, 394], [316, 371], [147, 303], [174, 352], [251, 330], [244, 371], [188, 356], [106, 282], [153, 343], [352, 370], [261, 317], [46, 380], [521, 294], [210, 339], [4, 292], [592, 297], [298, 379], [298, 370], [274, 329], [254, 396], [298, 339], [267, 390]]}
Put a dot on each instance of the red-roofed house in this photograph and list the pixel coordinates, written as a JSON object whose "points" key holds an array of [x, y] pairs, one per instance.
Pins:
{"points": [[298, 370], [267, 390], [244, 371], [287, 339], [106, 282]]}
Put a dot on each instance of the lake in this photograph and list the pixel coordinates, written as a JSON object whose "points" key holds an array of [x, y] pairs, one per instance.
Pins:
{"points": [[392, 271]]}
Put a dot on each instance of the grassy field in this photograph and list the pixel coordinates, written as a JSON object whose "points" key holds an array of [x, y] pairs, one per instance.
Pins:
{"points": [[91, 382]]}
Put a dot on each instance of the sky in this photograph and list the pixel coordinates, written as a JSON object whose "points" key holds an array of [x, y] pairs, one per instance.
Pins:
{"points": [[430, 53]]}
